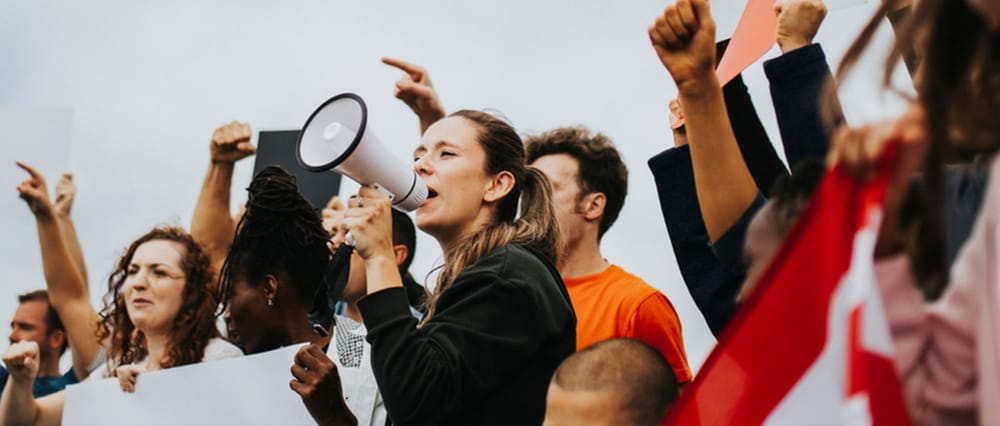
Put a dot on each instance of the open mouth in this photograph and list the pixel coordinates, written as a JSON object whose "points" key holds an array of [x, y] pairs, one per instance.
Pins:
{"points": [[431, 194]]}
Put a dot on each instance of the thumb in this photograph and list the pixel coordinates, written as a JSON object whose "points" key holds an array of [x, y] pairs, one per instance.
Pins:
{"points": [[28, 192], [702, 13], [246, 147], [419, 90]]}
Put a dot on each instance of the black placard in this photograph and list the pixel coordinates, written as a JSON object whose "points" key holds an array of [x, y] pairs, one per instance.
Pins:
{"points": [[277, 148]]}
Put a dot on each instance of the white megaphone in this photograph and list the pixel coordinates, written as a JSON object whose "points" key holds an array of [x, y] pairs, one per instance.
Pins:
{"points": [[336, 137]]}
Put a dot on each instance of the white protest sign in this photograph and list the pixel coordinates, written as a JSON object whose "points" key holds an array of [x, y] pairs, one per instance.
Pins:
{"points": [[249, 390]]}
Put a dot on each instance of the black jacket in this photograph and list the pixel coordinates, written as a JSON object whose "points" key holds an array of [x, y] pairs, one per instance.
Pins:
{"points": [[487, 354]]}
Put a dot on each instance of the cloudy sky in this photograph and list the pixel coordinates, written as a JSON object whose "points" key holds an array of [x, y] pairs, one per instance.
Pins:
{"points": [[125, 94]]}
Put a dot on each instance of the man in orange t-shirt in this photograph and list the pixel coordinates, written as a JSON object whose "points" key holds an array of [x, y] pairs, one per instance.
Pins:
{"points": [[589, 182]]}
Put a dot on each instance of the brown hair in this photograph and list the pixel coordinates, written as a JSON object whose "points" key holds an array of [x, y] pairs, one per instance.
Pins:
{"points": [[536, 226], [601, 168], [52, 321], [194, 324], [634, 372], [957, 87]]}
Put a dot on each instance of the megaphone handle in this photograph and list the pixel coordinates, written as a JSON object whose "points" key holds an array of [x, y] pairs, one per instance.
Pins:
{"points": [[384, 191]]}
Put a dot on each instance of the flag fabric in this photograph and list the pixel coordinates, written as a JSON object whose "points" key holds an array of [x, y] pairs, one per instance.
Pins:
{"points": [[811, 345]]}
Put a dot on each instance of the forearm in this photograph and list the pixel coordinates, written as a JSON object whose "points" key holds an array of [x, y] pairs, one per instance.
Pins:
{"points": [[212, 225], [428, 119], [18, 406], [798, 81], [65, 284], [761, 159], [68, 230], [82, 336], [381, 273], [68, 294], [724, 185], [712, 286]]}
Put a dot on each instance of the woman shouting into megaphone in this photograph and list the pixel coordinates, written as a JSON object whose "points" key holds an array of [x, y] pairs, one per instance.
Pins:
{"points": [[499, 321]]}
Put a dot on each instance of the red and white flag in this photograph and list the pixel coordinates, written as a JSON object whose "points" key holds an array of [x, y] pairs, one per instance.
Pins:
{"points": [[811, 345]]}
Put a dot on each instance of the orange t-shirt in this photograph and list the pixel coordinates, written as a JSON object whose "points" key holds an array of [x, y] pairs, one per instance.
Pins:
{"points": [[614, 303]]}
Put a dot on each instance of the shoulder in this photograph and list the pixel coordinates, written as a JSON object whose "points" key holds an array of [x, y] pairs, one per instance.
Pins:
{"points": [[218, 348], [628, 284], [515, 264]]}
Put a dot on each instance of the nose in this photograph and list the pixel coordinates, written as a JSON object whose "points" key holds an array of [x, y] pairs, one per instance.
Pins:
{"points": [[14, 336], [422, 166], [138, 281], [227, 315]]}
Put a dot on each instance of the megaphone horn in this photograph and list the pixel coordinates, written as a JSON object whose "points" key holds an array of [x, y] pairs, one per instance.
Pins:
{"points": [[336, 138]]}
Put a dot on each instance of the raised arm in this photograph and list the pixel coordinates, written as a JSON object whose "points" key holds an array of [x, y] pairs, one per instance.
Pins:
{"points": [[798, 80], [67, 288], [212, 225], [18, 406], [65, 195], [415, 89], [684, 39]]}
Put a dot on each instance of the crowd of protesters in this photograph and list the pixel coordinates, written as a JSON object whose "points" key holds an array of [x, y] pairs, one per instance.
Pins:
{"points": [[526, 321]]}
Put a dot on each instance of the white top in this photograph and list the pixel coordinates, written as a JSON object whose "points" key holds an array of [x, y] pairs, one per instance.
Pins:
{"points": [[216, 349], [352, 354]]}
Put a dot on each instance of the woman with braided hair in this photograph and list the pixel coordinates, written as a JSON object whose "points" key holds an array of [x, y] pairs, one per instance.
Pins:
{"points": [[277, 258], [275, 263]]}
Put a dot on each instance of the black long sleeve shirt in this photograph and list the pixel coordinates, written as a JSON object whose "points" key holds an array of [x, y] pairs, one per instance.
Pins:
{"points": [[488, 353]]}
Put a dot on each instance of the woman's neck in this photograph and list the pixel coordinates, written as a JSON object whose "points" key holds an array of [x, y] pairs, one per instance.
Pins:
{"points": [[156, 345], [450, 241], [296, 327]]}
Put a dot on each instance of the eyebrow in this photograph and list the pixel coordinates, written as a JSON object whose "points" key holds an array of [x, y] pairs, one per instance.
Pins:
{"points": [[435, 145], [21, 324], [155, 264]]}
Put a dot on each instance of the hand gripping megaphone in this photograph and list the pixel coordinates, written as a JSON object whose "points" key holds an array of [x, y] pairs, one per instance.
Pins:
{"points": [[336, 138]]}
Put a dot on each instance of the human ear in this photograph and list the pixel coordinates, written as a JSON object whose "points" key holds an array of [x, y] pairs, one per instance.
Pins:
{"points": [[270, 289], [593, 205], [56, 339], [401, 252], [500, 185]]}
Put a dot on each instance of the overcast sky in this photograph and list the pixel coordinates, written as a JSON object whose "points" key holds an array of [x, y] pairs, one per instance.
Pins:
{"points": [[125, 94]]}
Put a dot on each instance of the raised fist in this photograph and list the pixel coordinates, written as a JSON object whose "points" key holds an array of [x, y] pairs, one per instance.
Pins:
{"points": [[65, 194], [684, 39], [798, 22], [231, 143], [22, 360]]}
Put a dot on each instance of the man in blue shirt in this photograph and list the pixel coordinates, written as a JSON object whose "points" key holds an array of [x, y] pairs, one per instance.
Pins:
{"points": [[35, 320]]}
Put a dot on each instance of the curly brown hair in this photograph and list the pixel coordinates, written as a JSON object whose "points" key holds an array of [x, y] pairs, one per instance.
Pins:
{"points": [[194, 324]]}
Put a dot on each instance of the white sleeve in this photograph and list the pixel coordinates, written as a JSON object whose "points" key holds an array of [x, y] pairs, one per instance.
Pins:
{"points": [[217, 349]]}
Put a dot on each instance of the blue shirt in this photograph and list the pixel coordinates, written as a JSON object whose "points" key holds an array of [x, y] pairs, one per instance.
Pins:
{"points": [[43, 385]]}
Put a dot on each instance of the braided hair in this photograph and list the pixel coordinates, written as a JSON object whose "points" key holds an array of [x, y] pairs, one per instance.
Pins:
{"points": [[280, 232]]}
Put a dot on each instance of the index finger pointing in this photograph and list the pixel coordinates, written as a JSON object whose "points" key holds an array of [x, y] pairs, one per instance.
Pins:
{"points": [[31, 171], [414, 71]]}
